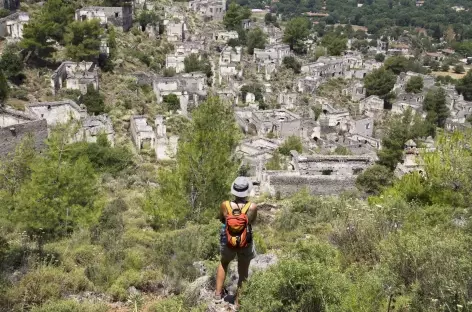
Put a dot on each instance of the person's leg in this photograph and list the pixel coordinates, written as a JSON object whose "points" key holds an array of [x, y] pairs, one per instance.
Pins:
{"points": [[220, 277], [243, 272]]}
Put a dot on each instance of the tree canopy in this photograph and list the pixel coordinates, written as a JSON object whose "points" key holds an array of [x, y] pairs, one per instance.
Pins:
{"points": [[256, 38], [414, 85], [296, 32], [83, 40], [335, 43], [380, 82], [235, 15], [205, 167]]}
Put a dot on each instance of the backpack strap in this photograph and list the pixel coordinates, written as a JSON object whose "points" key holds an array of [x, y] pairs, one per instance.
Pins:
{"points": [[246, 208], [229, 210]]}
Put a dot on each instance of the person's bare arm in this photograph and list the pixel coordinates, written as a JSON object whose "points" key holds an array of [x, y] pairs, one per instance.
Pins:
{"points": [[223, 212], [252, 213]]}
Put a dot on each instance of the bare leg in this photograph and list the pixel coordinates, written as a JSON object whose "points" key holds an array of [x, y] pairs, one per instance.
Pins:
{"points": [[243, 272], [220, 277]]}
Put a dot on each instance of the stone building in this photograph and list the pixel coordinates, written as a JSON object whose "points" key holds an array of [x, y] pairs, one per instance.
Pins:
{"points": [[332, 117], [142, 134], [166, 147], [404, 101], [230, 55], [255, 152], [228, 96], [267, 68], [190, 89], [118, 16], [363, 126], [320, 174], [224, 36], [280, 122], [275, 52], [75, 76], [93, 126], [410, 160], [371, 106], [229, 71], [356, 91], [12, 135], [209, 9], [287, 100], [59, 112], [176, 30], [9, 117], [11, 27], [182, 50]]}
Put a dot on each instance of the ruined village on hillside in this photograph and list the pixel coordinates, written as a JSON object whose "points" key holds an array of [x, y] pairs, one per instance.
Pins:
{"points": [[324, 103]]}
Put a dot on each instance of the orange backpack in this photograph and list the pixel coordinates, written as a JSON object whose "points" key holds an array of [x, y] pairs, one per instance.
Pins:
{"points": [[237, 233]]}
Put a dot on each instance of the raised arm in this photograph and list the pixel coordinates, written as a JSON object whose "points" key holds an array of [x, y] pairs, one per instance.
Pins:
{"points": [[252, 213]]}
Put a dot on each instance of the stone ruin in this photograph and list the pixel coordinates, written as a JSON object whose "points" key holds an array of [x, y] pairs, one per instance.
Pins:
{"points": [[11, 27], [190, 88], [182, 50], [209, 9], [118, 16], [75, 76], [280, 122], [39, 118], [321, 174], [145, 137]]}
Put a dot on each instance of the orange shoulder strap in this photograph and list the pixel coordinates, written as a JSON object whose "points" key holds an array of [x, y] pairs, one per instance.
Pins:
{"points": [[246, 207], [229, 210]]}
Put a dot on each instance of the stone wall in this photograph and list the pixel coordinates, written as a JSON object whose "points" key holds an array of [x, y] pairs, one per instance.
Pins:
{"points": [[316, 184], [11, 136]]}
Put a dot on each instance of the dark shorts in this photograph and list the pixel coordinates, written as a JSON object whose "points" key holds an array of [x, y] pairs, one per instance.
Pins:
{"points": [[244, 254], [228, 254]]}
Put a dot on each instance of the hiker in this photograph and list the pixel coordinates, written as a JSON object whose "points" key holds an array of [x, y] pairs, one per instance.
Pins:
{"points": [[237, 217]]}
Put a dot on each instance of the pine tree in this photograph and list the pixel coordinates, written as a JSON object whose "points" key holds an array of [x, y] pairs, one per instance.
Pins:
{"points": [[83, 40], [205, 168]]}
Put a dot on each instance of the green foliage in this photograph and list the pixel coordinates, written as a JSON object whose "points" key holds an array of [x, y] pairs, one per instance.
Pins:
{"points": [[169, 72], [172, 102], [435, 105], [148, 18], [296, 32], [94, 101], [49, 25], [375, 179], [291, 62], [274, 162], [399, 130], [11, 64], [430, 262], [4, 89], [195, 62], [334, 43], [380, 82], [445, 67], [295, 285], [106, 62], [70, 306], [4, 12], [464, 86], [397, 64], [255, 89], [292, 143], [256, 38], [414, 85], [204, 169], [269, 18], [83, 39], [459, 69], [380, 57], [235, 15], [102, 156], [47, 283]]}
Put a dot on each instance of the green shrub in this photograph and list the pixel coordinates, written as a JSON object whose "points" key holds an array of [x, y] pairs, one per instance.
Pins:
{"points": [[119, 289], [432, 264], [294, 285], [70, 306], [48, 283], [291, 143]]}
